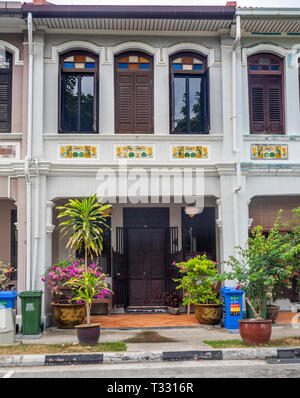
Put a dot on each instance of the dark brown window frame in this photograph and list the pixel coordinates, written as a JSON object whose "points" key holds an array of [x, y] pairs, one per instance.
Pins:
{"points": [[8, 72], [172, 73], [117, 73], [94, 72], [252, 60]]}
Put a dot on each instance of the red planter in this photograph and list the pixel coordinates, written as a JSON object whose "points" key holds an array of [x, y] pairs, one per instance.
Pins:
{"points": [[88, 334], [255, 332]]}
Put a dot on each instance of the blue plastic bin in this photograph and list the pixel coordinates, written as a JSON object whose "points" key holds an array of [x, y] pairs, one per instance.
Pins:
{"points": [[232, 308], [8, 299]]}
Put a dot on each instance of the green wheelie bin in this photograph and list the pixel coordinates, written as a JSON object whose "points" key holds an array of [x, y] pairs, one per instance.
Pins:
{"points": [[31, 303]]}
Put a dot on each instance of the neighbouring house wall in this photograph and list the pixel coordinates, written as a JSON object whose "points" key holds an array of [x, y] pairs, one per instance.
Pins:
{"points": [[5, 227]]}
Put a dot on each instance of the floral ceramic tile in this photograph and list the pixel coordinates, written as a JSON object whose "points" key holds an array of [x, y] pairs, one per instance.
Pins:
{"points": [[9, 151], [190, 152], [269, 152], [134, 152], [78, 152]]}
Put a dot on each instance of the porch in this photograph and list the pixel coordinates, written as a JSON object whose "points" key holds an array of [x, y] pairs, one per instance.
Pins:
{"points": [[141, 246]]}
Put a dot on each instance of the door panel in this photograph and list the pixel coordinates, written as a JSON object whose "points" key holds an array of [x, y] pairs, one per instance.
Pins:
{"points": [[146, 259], [137, 267]]}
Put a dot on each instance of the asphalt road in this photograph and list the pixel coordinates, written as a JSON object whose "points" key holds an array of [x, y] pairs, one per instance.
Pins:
{"points": [[233, 369]]}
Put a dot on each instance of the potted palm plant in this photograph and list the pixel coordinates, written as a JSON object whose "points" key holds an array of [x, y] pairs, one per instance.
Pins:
{"points": [[84, 223], [258, 269], [199, 289]]}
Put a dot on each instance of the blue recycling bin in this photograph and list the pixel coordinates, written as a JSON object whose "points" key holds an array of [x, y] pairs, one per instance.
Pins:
{"points": [[8, 299], [232, 308]]}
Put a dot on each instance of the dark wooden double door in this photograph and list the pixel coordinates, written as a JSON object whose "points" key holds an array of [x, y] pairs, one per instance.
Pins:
{"points": [[146, 266]]}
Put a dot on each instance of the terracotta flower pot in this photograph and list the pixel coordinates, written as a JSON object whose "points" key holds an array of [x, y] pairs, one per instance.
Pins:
{"points": [[208, 314], [255, 332], [88, 334], [272, 312], [67, 316]]}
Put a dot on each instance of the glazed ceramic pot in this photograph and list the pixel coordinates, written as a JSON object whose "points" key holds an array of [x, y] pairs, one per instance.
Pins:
{"points": [[67, 316], [208, 314], [255, 331], [272, 312], [88, 335]]}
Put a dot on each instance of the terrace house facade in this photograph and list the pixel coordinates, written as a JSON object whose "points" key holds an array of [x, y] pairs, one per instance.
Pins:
{"points": [[102, 94]]}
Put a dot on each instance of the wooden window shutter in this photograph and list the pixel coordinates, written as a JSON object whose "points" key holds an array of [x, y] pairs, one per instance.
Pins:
{"points": [[125, 103], [143, 110], [275, 106], [5, 102], [257, 104]]}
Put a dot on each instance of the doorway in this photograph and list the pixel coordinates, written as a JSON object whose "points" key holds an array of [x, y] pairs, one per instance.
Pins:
{"points": [[146, 231]]}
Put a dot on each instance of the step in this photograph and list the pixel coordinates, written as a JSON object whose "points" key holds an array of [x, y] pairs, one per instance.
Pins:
{"points": [[147, 309]]}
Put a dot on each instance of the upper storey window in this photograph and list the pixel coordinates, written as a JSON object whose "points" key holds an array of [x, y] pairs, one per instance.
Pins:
{"points": [[189, 94], [134, 93], [78, 101], [266, 96], [5, 91]]}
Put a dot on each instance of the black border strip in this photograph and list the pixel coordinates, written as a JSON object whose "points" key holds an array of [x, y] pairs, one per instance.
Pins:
{"points": [[192, 355]]}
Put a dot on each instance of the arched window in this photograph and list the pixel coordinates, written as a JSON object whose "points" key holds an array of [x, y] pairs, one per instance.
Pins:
{"points": [[266, 96], [79, 94], [134, 93], [189, 94], [5, 91]]}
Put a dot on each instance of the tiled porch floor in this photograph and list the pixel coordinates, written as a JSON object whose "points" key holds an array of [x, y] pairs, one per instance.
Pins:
{"points": [[145, 320], [287, 317], [167, 320]]}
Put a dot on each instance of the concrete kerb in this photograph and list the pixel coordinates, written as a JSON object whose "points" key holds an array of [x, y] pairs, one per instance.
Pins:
{"points": [[144, 357]]}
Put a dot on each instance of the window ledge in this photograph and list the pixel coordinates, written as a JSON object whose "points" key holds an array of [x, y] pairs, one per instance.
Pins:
{"points": [[11, 136], [133, 137], [271, 138]]}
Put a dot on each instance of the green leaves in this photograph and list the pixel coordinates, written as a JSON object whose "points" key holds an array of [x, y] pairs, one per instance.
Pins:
{"points": [[196, 281], [84, 222]]}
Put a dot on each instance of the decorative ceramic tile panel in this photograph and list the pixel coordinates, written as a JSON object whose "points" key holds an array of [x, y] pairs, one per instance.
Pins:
{"points": [[81, 151], [9, 150], [267, 152], [134, 152], [190, 152]]}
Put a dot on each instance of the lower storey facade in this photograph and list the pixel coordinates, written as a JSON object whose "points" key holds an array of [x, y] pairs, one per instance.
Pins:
{"points": [[144, 239]]}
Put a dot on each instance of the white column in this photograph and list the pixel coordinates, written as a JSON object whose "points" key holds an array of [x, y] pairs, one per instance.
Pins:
{"points": [[38, 95], [291, 95], [227, 222], [106, 95], [161, 95]]}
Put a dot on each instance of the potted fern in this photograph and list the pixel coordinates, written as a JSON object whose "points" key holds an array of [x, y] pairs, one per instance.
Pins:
{"points": [[84, 223]]}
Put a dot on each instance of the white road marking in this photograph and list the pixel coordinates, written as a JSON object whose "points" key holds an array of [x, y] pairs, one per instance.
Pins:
{"points": [[8, 374]]}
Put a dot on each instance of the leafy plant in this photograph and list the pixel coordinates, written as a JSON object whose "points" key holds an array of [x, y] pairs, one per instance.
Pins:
{"points": [[85, 223], [260, 267], [58, 275], [85, 220], [173, 299], [195, 280], [5, 272], [92, 284]]}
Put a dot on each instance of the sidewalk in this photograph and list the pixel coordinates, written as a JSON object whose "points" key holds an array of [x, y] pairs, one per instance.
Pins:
{"points": [[162, 344]]}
